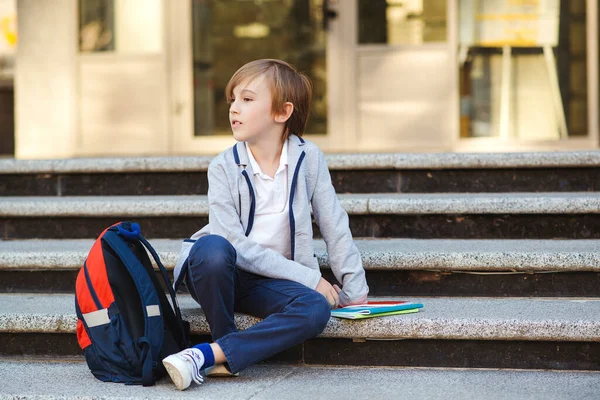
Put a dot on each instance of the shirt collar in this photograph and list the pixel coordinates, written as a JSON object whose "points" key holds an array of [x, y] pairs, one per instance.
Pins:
{"points": [[283, 159]]}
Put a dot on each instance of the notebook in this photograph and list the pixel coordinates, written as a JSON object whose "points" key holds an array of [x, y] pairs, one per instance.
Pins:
{"points": [[376, 309]]}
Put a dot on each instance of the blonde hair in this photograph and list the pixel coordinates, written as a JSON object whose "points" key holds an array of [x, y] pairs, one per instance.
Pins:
{"points": [[286, 84]]}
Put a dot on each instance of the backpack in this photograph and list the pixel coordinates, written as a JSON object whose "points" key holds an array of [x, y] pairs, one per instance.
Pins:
{"points": [[125, 324]]}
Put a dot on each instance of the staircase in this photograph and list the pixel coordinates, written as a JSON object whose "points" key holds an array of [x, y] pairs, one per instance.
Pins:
{"points": [[502, 250]]}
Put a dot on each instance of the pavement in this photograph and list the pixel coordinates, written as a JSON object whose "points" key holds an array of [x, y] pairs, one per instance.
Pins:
{"points": [[34, 379]]}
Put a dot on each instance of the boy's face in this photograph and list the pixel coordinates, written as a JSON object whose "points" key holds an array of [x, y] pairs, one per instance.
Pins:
{"points": [[250, 112]]}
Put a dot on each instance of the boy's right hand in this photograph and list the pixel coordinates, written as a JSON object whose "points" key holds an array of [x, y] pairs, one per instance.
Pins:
{"points": [[329, 292]]}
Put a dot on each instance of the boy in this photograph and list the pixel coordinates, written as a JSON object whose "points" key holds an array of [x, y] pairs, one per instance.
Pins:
{"points": [[256, 254]]}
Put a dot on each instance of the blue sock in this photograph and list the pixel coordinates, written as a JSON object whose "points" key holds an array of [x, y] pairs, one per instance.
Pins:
{"points": [[209, 356]]}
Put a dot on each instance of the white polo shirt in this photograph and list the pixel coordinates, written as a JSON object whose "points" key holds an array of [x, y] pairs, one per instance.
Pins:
{"points": [[271, 227]]}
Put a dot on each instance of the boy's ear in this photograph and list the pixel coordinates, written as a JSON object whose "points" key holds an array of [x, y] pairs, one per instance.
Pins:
{"points": [[288, 109]]}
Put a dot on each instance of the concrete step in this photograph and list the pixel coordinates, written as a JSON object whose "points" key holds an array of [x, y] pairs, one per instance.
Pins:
{"points": [[568, 320], [464, 216], [512, 333], [349, 161], [354, 204], [36, 379], [377, 254], [395, 267], [351, 173]]}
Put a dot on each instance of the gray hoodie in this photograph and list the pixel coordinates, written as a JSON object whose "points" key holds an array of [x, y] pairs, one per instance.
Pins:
{"points": [[231, 215]]}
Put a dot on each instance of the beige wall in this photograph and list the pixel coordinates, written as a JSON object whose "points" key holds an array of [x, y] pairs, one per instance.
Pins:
{"points": [[406, 99], [90, 104], [138, 26], [45, 79], [123, 106]]}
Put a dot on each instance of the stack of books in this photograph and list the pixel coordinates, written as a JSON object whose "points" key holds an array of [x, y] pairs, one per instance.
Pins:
{"points": [[372, 309]]}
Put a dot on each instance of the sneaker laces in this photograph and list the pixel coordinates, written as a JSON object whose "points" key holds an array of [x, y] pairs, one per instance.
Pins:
{"points": [[196, 359]]}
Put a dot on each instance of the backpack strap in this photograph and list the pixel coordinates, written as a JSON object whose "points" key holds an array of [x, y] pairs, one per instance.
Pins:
{"points": [[151, 342], [165, 276]]}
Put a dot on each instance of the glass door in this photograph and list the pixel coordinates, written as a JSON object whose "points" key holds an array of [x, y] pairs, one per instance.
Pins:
{"points": [[225, 34]]}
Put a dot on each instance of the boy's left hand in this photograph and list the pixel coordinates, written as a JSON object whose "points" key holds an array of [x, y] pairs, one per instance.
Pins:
{"points": [[342, 303]]}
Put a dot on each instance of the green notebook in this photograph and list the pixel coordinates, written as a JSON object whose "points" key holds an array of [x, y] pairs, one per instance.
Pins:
{"points": [[350, 315]]}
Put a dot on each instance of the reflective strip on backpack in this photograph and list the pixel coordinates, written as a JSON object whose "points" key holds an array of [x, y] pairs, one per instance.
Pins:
{"points": [[97, 318], [153, 311]]}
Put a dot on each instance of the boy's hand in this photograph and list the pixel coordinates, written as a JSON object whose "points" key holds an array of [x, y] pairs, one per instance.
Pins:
{"points": [[343, 304], [329, 292]]}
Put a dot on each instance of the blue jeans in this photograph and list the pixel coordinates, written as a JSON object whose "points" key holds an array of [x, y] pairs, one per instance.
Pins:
{"points": [[292, 312]]}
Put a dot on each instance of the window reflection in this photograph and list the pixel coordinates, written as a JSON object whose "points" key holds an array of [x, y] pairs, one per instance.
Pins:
{"points": [[122, 26], [96, 25], [525, 26], [401, 22]]}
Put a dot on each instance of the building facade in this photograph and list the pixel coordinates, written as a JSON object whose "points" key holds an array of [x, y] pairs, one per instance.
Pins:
{"points": [[146, 77]]}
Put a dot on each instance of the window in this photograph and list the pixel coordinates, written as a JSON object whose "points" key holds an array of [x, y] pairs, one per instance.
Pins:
{"points": [[401, 22]]}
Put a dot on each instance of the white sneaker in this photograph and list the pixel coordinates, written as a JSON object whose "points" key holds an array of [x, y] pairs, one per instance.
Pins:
{"points": [[184, 367], [219, 371]]}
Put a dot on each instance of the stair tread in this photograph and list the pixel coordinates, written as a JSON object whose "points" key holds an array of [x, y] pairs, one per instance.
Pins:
{"points": [[441, 318], [377, 254], [348, 161], [354, 204], [26, 379]]}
